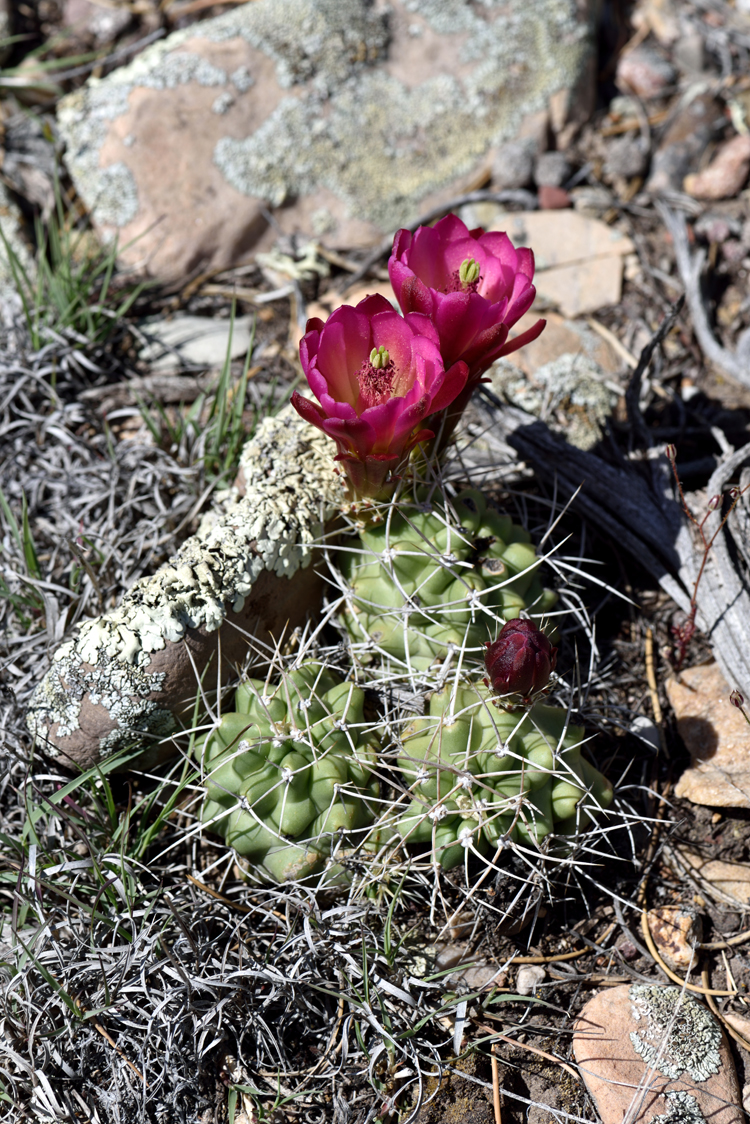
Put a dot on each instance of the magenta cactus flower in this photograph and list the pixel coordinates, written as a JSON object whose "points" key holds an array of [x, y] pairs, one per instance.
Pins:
{"points": [[521, 660], [472, 285], [378, 377]]}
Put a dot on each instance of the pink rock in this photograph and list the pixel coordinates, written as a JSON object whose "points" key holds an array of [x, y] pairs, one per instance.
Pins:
{"points": [[716, 736], [725, 175], [644, 72], [553, 198], [655, 1053]]}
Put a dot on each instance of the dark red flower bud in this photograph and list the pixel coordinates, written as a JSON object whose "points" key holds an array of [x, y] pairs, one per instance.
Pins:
{"points": [[521, 660], [737, 699], [714, 502], [671, 453]]}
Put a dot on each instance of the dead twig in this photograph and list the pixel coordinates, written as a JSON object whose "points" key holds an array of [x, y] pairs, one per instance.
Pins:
{"points": [[690, 267]]}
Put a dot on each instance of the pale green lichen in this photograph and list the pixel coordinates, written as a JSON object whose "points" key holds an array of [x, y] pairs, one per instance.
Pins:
{"points": [[291, 489], [352, 128], [683, 1109], [572, 394], [122, 689], [381, 147], [677, 1035]]}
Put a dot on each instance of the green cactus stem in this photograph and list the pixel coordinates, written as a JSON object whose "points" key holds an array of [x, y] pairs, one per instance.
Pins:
{"points": [[289, 772], [481, 774], [432, 575]]}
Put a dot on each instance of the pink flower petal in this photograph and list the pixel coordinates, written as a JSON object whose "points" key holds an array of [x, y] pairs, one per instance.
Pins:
{"points": [[521, 340], [521, 300], [526, 262], [374, 304], [451, 386], [450, 228], [308, 410], [497, 244]]}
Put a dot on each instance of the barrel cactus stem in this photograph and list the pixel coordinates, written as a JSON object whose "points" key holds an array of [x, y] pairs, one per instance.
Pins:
{"points": [[436, 576], [289, 773], [482, 776]]}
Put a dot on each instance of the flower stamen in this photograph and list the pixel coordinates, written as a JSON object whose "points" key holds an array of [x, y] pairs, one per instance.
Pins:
{"points": [[376, 378], [466, 278]]}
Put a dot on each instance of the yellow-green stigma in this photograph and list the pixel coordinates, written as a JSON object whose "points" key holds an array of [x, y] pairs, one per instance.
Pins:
{"points": [[379, 357], [469, 271]]}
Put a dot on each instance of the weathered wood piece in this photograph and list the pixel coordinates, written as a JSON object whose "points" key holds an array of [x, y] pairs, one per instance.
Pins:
{"points": [[236, 586], [634, 503]]}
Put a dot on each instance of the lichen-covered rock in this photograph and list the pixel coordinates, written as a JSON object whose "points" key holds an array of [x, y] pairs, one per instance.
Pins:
{"points": [[347, 116], [482, 774], [572, 394], [241, 581], [289, 773], [650, 1053]]}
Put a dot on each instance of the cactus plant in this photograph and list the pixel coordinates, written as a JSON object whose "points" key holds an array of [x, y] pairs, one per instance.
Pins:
{"points": [[289, 771], [480, 773], [434, 574]]}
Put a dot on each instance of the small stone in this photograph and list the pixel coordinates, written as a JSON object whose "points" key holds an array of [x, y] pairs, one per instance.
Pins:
{"points": [[553, 198], [626, 156], [676, 930], [725, 175], [551, 169], [99, 23], [643, 71], [659, 16], [646, 730], [716, 736], [650, 1053], [733, 250], [627, 950], [513, 166], [529, 977], [714, 228], [592, 202]]}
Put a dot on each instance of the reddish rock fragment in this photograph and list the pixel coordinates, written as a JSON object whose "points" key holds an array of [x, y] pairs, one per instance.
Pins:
{"points": [[725, 175]]}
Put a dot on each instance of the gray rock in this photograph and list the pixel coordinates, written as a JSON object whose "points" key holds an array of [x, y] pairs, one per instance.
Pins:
{"points": [[644, 71], [626, 156], [513, 166], [551, 169], [343, 116], [101, 24]]}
